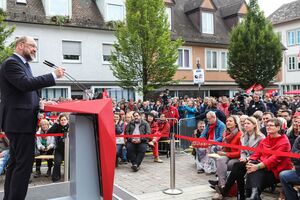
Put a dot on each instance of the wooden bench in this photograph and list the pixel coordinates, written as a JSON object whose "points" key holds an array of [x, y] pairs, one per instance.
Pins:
{"points": [[45, 157]]}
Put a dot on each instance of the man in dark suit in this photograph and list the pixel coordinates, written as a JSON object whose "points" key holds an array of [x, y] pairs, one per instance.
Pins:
{"points": [[18, 113]]}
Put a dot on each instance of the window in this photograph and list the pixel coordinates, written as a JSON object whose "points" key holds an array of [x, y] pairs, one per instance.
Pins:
{"points": [[292, 62], [50, 93], [241, 19], [216, 59], [116, 93], [223, 60], [71, 51], [291, 37], [36, 59], [211, 59], [184, 58], [169, 14], [59, 7], [207, 23], [21, 2], [107, 49], [115, 12], [298, 36]]}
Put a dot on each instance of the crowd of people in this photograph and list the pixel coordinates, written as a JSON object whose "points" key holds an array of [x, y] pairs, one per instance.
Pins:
{"points": [[271, 123]]}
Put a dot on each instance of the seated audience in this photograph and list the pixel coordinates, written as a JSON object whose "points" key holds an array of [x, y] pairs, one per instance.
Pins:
{"points": [[251, 138], [4, 152], [228, 156], [213, 131], [154, 141], [136, 147], [262, 168], [45, 146], [120, 141], [62, 126], [293, 132], [266, 116], [289, 178]]}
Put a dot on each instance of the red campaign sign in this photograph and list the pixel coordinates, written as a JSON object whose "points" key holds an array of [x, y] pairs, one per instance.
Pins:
{"points": [[258, 87]]}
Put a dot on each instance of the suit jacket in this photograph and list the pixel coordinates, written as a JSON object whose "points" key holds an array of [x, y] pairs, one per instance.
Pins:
{"points": [[19, 96]]}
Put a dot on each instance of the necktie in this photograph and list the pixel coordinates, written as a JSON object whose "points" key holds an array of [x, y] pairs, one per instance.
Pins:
{"points": [[28, 67]]}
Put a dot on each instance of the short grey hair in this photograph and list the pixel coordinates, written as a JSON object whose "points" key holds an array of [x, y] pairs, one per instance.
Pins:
{"points": [[211, 113]]}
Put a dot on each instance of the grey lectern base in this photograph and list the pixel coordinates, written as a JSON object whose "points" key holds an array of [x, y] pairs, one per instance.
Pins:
{"points": [[84, 172]]}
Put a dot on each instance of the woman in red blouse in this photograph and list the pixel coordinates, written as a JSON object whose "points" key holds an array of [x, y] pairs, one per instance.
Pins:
{"points": [[263, 169], [228, 156]]}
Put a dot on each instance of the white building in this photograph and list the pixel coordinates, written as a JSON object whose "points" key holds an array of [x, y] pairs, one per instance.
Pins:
{"points": [[80, 42], [286, 22]]}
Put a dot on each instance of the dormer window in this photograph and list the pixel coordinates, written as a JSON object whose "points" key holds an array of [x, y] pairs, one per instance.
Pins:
{"points": [[115, 12], [207, 22], [58, 7]]}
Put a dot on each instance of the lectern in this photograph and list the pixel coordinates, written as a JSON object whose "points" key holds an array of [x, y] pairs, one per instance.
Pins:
{"points": [[92, 148]]}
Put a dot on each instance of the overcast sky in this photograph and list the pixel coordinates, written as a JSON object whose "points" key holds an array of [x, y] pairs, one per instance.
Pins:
{"points": [[269, 6]]}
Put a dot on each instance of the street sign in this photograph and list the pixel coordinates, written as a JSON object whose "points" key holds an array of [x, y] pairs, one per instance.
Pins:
{"points": [[198, 75]]}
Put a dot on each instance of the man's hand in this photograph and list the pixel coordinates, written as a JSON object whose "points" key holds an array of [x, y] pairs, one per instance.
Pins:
{"points": [[59, 72], [44, 102]]}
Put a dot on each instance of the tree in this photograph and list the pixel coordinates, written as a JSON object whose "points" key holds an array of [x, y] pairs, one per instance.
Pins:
{"points": [[255, 51], [5, 32], [144, 57]]}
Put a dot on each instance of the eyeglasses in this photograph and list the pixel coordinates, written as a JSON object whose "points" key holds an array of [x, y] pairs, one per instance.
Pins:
{"points": [[270, 125]]}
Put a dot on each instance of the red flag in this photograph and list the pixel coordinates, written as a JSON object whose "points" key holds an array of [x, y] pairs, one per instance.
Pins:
{"points": [[247, 91], [258, 87], [104, 94]]}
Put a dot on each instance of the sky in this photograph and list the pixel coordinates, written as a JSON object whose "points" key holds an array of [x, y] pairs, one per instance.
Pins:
{"points": [[269, 6]]}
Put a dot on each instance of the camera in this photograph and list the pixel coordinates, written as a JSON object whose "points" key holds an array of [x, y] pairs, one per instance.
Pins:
{"points": [[165, 97]]}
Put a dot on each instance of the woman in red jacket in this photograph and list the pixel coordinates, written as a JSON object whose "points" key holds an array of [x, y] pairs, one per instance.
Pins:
{"points": [[228, 156], [154, 141], [263, 169]]}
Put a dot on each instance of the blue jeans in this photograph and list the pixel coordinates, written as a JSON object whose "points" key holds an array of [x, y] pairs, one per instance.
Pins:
{"points": [[288, 178], [3, 160], [121, 152]]}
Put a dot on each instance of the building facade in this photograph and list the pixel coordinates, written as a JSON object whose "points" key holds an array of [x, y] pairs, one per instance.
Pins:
{"points": [[286, 22], [78, 35]]}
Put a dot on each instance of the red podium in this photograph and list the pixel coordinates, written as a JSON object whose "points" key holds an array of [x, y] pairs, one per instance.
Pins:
{"points": [[91, 125]]}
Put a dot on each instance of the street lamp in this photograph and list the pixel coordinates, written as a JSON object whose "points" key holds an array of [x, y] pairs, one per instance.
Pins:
{"points": [[199, 83]]}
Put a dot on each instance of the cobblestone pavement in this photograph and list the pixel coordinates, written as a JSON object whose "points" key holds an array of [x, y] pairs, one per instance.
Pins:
{"points": [[149, 182]]}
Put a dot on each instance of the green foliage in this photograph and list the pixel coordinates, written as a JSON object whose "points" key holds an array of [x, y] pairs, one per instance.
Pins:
{"points": [[255, 51], [144, 56], [5, 32], [60, 19]]}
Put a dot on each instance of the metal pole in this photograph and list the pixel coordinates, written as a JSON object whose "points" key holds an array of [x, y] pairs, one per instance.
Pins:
{"points": [[172, 190], [199, 88], [67, 155]]}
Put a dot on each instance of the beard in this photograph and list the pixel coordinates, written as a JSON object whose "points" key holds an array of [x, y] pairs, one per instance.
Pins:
{"points": [[29, 57]]}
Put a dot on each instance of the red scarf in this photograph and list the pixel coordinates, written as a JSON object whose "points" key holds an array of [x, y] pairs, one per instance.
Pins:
{"points": [[211, 131]]}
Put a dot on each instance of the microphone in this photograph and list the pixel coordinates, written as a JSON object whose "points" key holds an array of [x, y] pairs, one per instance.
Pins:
{"points": [[89, 93]]}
